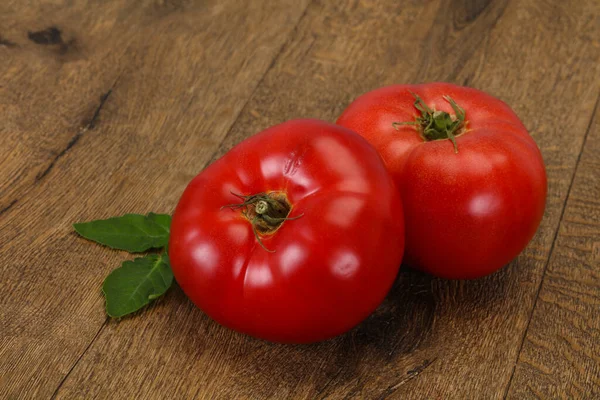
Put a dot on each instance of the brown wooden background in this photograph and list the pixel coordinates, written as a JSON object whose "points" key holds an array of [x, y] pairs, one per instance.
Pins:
{"points": [[112, 107]]}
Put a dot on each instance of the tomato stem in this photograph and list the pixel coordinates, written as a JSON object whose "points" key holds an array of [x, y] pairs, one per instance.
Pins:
{"points": [[265, 211], [436, 125]]}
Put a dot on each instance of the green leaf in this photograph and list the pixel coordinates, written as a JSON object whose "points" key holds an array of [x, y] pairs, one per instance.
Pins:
{"points": [[164, 220], [131, 232], [134, 284]]}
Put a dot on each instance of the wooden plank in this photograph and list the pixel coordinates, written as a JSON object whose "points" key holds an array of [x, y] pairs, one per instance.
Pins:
{"points": [[431, 338], [118, 126], [55, 64], [561, 352]]}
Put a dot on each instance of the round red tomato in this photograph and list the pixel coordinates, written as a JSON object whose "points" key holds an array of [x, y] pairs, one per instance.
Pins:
{"points": [[472, 180], [295, 235]]}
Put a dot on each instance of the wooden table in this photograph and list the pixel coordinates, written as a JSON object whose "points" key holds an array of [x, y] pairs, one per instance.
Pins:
{"points": [[112, 107]]}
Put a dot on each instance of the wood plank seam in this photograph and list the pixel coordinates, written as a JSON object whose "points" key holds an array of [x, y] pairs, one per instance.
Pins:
{"points": [[91, 125], [552, 247], [55, 393], [218, 150], [412, 374], [462, 62], [72, 142], [12, 203]]}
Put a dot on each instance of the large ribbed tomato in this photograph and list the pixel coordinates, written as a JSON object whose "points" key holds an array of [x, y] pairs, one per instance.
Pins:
{"points": [[295, 235], [472, 180]]}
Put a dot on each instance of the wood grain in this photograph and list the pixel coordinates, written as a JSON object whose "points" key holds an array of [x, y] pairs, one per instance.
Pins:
{"points": [[106, 108], [561, 352], [431, 338], [118, 110]]}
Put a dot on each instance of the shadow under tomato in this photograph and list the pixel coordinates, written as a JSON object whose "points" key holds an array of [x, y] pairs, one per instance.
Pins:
{"points": [[403, 322], [380, 346], [397, 327]]}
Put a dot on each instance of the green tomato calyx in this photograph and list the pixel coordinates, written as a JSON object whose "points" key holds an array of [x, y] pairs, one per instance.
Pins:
{"points": [[437, 125]]}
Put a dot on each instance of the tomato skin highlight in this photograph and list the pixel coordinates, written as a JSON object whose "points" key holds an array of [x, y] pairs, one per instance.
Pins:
{"points": [[467, 213], [330, 267]]}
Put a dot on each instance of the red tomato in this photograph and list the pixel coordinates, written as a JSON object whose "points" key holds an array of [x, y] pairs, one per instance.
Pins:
{"points": [[469, 209], [295, 235]]}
